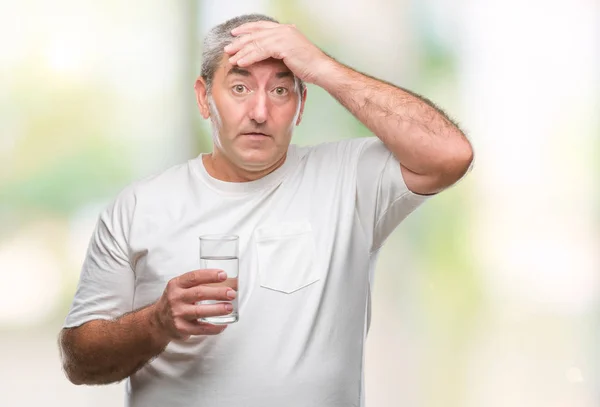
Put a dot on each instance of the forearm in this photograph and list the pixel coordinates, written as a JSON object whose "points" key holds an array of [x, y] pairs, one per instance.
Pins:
{"points": [[102, 352], [420, 135]]}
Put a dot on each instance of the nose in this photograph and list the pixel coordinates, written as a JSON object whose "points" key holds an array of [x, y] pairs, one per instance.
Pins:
{"points": [[258, 109]]}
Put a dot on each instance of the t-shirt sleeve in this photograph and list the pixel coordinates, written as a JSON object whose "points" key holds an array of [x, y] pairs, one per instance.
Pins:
{"points": [[383, 200], [106, 283]]}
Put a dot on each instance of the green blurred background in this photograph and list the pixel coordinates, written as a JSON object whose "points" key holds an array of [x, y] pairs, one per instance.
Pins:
{"points": [[485, 296]]}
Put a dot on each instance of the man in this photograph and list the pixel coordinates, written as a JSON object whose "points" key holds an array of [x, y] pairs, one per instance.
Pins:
{"points": [[311, 221]]}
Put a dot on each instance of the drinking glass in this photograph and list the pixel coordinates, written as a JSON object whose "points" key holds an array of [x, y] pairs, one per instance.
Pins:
{"points": [[221, 252]]}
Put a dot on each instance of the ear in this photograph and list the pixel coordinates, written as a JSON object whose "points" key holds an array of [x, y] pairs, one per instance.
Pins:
{"points": [[202, 97], [302, 106]]}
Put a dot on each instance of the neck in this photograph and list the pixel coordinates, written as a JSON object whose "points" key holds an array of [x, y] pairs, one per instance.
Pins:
{"points": [[220, 167]]}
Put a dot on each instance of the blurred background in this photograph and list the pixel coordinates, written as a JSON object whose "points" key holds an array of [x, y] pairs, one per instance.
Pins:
{"points": [[486, 296]]}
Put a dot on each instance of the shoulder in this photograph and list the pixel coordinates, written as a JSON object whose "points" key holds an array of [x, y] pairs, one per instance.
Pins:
{"points": [[335, 151], [151, 188], [163, 181]]}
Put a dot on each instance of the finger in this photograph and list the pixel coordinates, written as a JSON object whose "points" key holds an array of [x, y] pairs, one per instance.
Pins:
{"points": [[253, 26], [257, 51], [192, 312], [187, 328], [240, 42], [203, 328], [202, 276], [254, 56], [202, 293], [230, 282], [243, 53]]}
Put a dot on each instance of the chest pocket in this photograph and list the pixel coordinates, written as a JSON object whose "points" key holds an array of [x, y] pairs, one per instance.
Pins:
{"points": [[286, 256]]}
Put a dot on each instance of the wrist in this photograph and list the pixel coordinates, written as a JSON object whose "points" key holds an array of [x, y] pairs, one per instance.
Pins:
{"points": [[326, 69], [157, 330]]}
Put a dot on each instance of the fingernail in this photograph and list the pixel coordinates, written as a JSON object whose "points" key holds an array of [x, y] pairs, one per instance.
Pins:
{"points": [[222, 275], [231, 294], [227, 47], [228, 307]]}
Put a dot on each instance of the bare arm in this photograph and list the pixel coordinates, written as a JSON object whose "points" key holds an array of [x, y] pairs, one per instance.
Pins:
{"points": [[432, 149], [102, 352]]}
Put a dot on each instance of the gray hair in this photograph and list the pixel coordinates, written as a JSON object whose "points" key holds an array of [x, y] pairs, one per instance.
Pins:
{"points": [[220, 36]]}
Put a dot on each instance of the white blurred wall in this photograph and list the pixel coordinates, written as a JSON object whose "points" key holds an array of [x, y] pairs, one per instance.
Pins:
{"points": [[530, 79], [527, 92]]}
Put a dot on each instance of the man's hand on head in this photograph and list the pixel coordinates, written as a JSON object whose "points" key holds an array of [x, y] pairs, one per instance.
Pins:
{"points": [[264, 39]]}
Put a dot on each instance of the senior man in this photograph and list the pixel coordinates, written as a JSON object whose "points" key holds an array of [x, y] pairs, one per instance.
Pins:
{"points": [[310, 222]]}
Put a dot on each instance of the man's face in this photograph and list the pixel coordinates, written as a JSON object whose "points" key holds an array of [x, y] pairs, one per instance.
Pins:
{"points": [[253, 111]]}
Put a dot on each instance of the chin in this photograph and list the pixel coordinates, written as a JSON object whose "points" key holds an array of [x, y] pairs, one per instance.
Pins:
{"points": [[257, 159]]}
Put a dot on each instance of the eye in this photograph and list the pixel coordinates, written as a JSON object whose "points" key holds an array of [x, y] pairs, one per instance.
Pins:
{"points": [[281, 91], [238, 89]]}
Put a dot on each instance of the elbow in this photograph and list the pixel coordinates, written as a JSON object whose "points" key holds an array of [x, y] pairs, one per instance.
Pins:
{"points": [[79, 367], [71, 371], [78, 375], [69, 366], [73, 376], [463, 160], [457, 164]]}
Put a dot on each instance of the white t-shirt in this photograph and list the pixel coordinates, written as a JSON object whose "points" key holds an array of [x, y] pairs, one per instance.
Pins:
{"points": [[309, 236]]}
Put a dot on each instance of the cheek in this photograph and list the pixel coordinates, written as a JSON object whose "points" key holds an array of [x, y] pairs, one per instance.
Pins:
{"points": [[286, 116], [232, 116], [291, 117]]}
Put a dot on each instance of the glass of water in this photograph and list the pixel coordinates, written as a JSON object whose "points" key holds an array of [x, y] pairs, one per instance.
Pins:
{"points": [[221, 252]]}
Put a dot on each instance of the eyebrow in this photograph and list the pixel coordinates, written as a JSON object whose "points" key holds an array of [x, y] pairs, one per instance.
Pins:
{"points": [[284, 74], [236, 70]]}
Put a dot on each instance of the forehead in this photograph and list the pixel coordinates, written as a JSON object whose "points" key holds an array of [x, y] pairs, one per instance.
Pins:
{"points": [[262, 70]]}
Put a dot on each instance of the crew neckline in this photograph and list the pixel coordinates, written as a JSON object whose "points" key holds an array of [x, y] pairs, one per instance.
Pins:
{"points": [[247, 187]]}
